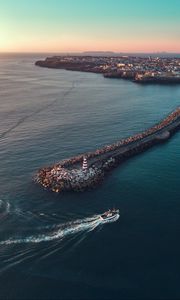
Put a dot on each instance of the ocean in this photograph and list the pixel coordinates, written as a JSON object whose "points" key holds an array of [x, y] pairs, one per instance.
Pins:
{"points": [[51, 246]]}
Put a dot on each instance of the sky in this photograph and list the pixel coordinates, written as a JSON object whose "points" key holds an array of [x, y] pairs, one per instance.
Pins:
{"points": [[89, 25]]}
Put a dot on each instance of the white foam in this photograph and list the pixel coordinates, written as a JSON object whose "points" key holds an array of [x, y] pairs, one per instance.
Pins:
{"points": [[5, 206], [61, 231]]}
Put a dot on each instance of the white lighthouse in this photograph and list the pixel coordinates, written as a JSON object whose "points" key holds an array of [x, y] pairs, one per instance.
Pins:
{"points": [[85, 165]]}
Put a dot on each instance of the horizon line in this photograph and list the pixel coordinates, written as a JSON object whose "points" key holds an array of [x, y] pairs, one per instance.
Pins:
{"points": [[90, 51]]}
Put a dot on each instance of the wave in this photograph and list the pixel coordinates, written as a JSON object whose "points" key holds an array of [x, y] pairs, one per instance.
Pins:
{"points": [[8, 209], [60, 231], [4, 209]]}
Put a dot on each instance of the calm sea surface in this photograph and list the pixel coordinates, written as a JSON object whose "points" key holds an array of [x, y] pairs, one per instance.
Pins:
{"points": [[49, 248]]}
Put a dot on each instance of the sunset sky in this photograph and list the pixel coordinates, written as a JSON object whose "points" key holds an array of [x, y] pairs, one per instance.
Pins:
{"points": [[82, 25]]}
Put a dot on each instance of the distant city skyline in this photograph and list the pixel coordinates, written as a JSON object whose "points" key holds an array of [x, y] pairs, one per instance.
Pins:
{"points": [[89, 25]]}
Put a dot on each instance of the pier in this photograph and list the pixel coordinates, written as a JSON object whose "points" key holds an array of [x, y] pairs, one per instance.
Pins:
{"points": [[87, 170]]}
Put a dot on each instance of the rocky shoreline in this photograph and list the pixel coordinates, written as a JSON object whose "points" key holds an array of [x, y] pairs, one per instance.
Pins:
{"points": [[136, 69], [71, 66], [68, 174]]}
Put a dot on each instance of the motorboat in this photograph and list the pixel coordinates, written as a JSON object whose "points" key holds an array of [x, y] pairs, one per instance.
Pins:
{"points": [[111, 215]]}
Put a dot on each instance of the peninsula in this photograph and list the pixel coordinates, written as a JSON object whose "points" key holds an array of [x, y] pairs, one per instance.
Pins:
{"points": [[86, 171], [144, 70]]}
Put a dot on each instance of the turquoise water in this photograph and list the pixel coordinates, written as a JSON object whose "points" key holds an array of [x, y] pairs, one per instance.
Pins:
{"points": [[50, 246]]}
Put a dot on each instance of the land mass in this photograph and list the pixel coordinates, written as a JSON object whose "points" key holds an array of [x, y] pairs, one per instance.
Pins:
{"points": [[144, 70]]}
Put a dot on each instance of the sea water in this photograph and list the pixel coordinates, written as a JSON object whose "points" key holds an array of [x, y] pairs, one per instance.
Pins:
{"points": [[51, 245]]}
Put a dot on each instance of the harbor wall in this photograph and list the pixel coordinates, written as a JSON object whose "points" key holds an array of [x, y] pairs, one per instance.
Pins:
{"points": [[68, 175]]}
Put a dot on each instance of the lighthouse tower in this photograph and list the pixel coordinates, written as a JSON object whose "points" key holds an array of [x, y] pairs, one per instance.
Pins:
{"points": [[85, 165]]}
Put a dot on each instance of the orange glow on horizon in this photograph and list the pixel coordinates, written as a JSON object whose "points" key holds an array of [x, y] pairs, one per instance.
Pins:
{"points": [[80, 45]]}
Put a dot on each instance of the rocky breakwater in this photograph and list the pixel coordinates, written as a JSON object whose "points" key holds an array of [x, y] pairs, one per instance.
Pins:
{"points": [[69, 175]]}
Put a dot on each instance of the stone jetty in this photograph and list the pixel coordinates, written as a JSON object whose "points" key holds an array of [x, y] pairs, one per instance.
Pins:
{"points": [[86, 171]]}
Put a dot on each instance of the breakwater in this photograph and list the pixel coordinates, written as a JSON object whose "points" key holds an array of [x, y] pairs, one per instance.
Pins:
{"points": [[68, 174]]}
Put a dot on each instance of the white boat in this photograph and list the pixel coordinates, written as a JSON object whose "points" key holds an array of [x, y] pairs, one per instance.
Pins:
{"points": [[111, 215]]}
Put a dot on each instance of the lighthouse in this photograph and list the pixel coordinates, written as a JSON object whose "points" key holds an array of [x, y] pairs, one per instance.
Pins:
{"points": [[85, 165]]}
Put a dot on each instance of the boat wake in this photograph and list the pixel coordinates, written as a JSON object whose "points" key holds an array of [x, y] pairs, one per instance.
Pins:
{"points": [[60, 231], [4, 209]]}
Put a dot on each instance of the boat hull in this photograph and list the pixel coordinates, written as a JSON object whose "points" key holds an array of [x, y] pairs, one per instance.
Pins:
{"points": [[110, 219]]}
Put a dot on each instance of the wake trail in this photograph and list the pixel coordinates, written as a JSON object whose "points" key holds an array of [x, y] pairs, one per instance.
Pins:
{"points": [[8, 210], [23, 119], [4, 209], [87, 224]]}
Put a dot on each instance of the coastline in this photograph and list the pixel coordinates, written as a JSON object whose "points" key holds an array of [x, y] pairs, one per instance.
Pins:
{"points": [[136, 69]]}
